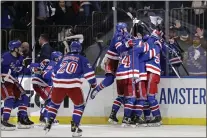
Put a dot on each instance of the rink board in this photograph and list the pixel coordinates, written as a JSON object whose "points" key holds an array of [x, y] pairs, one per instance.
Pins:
{"points": [[182, 102]]}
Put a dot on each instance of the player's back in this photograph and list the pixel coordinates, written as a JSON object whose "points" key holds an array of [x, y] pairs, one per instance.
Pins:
{"points": [[69, 71], [128, 66], [153, 65]]}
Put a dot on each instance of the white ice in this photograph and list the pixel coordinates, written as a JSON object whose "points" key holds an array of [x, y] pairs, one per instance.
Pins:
{"points": [[112, 131]]}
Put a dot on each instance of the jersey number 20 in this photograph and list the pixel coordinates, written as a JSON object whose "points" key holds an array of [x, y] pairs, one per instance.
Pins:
{"points": [[70, 67], [126, 61]]}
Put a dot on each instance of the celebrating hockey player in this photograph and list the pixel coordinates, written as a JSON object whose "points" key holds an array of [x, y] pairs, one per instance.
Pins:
{"points": [[42, 80], [12, 92], [153, 76], [110, 63], [66, 82]]}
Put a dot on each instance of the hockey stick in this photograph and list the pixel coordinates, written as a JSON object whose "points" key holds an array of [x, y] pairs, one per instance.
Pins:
{"points": [[95, 65]]}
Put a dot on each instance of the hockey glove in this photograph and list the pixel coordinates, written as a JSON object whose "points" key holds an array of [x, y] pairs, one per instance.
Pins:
{"points": [[44, 63]]}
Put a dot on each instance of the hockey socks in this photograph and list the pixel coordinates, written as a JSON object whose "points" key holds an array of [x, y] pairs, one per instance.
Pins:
{"points": [[154, 106], [128, 106], [117, 103], [22, 105], [8, 105], [147, 111], [139, 106], [77, 114], [52, 110], [109, 79]]}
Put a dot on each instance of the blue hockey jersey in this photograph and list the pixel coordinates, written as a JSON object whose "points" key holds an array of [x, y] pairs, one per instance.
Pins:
{"points": [[9, 62], [153, 65], [44, 79], [116, 46], [70, 69], [129, 61]]}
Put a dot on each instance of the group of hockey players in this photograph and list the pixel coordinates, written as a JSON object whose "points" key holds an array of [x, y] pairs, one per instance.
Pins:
{"points": [[134, 61]]}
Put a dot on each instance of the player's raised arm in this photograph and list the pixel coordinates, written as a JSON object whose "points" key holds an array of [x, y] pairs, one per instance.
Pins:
{"points": [[89, 73]]}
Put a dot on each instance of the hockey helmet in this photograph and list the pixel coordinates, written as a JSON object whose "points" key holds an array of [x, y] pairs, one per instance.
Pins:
{"points": [[14, 44], [120, 26], [56, 55], [75, 46]]}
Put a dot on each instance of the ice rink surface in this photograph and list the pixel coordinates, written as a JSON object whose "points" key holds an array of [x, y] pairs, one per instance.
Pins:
{"points": [[112, 131]]}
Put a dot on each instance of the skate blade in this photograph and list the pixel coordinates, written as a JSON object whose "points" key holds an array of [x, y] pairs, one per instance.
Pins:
{"points": [[75, 134], [124, 125], [8, 128], [154, 124], [142, 125], [23, 126], [112, 122], [46, 131]]}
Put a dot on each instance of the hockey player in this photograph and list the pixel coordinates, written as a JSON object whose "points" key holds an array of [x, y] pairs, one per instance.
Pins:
{"points": [[127, 72], [42, 80], [12, 92], [141, 90], [110, 63], [66, 82], [153, 76]]}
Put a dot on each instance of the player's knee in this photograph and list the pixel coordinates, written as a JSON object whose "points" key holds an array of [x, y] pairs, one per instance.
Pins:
{"points": [[79, 109], [25, 99], [110, 79], [151, 99], [55, 105], [9, 103], [129, 101], [120, 98]]}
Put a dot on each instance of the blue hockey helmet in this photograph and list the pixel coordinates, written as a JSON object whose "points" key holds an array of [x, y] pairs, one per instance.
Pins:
{"points": [[75, 46], [14, 44], [56, 55], [120, 26]]}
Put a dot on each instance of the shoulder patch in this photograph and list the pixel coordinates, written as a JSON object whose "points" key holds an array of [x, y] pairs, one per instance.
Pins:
{"points": [[89, 65]]}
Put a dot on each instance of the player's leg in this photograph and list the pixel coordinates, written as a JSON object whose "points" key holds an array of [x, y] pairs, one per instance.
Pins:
{"points": [[147, 112], [129, 100], [8, 97], [116, 104], [41, 91], [22, 102], [76, 95], [46, 94], [141, 94], [57, 96], [152, 89], [110, 69]]}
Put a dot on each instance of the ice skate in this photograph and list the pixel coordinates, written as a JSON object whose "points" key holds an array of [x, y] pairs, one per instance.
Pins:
{"points": [[140, 122], [42, 120], [48, 125], [22, 123], [156, 122], [77, 132], [6, 126], [29, 121], [133, 121], [126, 122], [112, 118]]}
